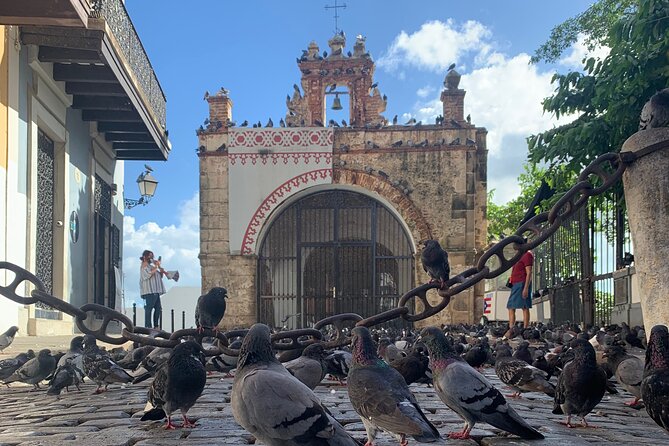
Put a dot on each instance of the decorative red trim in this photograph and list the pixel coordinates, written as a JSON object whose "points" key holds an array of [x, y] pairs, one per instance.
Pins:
{"points": [[283, 137], [274, 199], [284, 157]]}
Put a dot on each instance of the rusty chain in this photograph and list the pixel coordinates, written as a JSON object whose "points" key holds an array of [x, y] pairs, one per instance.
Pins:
{"points": [[596, 178]]}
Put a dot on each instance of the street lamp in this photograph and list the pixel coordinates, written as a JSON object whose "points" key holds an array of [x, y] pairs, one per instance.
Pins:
{"points": [[147, 187]]}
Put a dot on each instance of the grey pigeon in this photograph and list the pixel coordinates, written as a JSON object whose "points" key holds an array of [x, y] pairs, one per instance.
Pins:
{"points": [[468, 393], [224, 363], [655, 385], [655, 113], [135, 357], [7, 337], [308, 368], [388, 351], [75, 355], [65, 375], [522, 352], [581, 385], [627, 369], [521, 376], [177, 385], [210, 309], [99, 366], [338, 363], [10, 365], [435, 261], [381, 397], [273, 405], [35, 370], [150, 365]]}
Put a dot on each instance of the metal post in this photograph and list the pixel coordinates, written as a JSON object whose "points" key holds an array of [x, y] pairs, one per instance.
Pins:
{"points": [[183, 320], [134, 313], [160, 319], [172, 317]]}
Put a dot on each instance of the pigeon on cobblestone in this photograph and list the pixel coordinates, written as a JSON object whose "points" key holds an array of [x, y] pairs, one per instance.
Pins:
{"points": [[521, 376], [177, 385], [435, 261], [276, 407], [308, 368], [10, 365], [468, 393], [338, 363], [581, 385], [523, 353], [7, 337], [414, 367], [210, 309], [135, 356], [75, 355], [655, 385], [100, 368], [150, 365], [65, 375], [627, 369], [35, 370], [388, 351], [224, 363], [381, 397]]}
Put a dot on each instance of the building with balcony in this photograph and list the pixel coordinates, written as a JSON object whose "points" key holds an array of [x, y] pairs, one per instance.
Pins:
{"points": [[78, 96]]}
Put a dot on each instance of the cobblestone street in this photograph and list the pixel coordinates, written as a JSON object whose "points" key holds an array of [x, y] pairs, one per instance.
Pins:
{"points": [[30, 418]]}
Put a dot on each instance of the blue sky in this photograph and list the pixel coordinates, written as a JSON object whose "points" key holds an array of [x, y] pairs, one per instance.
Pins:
{"points": [[250, 49]]}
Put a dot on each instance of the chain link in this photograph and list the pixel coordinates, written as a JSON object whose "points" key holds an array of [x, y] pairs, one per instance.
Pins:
{"points": [[595, 179]]}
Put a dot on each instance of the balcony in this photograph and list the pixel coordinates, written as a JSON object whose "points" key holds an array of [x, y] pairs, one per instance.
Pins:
{"points": [[96, 52]]}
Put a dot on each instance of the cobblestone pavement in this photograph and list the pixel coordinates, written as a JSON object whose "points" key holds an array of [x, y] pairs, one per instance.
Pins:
{"points": [[30, 418]]}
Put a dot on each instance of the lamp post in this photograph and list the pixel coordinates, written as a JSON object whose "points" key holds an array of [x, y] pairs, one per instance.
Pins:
{"points": [[147, 188]]}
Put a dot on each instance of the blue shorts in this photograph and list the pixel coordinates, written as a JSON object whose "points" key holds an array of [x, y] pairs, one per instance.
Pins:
{"points": [[516, 298]]}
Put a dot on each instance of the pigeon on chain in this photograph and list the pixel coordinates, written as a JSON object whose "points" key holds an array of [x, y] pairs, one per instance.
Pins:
{"points": [[581, 385], [65, 375], [36, 370], [309, 368], [521, 376], [273, 405], [382, 398], [655, 384], [7, 337], [468, 393], [100, 368], [177, 385], [435, 262], [210, 309], [10, 365], [627, 369]]}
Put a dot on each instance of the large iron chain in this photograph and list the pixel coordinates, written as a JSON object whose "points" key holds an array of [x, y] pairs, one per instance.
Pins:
{"points": [[596, 178]]}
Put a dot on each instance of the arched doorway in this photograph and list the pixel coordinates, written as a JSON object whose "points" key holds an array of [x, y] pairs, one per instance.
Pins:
{"points": [[332, 252]]}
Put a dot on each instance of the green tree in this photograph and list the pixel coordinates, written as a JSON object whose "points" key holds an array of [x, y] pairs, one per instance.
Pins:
{"points": [[607, 96]]}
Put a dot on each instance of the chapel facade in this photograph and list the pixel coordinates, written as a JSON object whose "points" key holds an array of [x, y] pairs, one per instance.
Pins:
{"points": [[316, 217]]}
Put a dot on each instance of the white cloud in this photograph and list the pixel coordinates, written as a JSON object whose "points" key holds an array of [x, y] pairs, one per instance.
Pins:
{"points": [[436, 45], [579, 51], [179, 246], [425, 91]]}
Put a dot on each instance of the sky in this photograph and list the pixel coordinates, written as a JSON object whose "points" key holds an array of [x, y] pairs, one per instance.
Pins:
{"points": [[250, 49]]}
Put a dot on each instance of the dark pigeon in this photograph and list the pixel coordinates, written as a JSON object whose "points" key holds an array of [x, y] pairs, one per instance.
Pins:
{"points": [[521, 376], [381, 397], [99, 366], [35, 370], [273, 405], [415, 367], [338, 363], [522, 352], [7, 337], [10, 365], [476, 356], [627, 369], [151, 364], [468, 393], [210, 309], [655, 384], [66, 375], [224, 363], [135, 357], [309, 368], [435, 262], [177, 384], [581, 384]]}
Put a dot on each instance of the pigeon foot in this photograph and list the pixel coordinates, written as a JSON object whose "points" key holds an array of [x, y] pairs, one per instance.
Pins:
{"points": [[188, 423], [514, 395], [459, 435], [632, 403]]}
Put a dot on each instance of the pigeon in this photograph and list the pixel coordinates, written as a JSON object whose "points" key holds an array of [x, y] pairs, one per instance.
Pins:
{"points": [[435, 262], [395, 120], [10, 365], [282, 123], [150, 365], [65, 375], [338, 363], [451, 67], [628, 370], [244, 124], [655, 384], [476, 356], [178, 384], [655, 113], [99, 366], [135, 357], [414, 367], [270, 123], [308, 368], [468, 393], [35, 370], [210, 309], [381, 397], [7, 337], [75, 355], [521, 376], [273, 405], [581, 385], [522, 352], [388, 351], [224, 363]]}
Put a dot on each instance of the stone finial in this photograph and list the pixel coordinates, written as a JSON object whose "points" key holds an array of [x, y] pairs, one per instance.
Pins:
{"points": [[313, 51], [452, 80], [337, 44], [655, 113], [359, 47]]}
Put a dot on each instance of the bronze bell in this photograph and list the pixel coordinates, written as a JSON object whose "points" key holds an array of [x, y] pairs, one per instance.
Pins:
{"points": [[336, 105]]}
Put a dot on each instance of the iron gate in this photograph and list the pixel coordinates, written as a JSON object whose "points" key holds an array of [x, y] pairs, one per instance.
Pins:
{"points": [[332, 252]]}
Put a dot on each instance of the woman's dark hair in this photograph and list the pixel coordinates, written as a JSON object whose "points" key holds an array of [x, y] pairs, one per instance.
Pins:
{"points": [[144, 254]]}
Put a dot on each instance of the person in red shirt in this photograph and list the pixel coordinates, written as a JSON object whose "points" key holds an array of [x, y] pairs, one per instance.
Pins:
{"points": [[521, 288]]}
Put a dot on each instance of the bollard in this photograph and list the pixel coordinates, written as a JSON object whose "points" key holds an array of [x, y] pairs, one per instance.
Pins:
{"points": [[183, 320], [172, 319], [160, 319], [134, 314], [646, 186]]}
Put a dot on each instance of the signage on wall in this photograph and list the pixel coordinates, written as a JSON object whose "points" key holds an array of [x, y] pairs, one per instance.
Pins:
{"points": [[74, 226]]}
